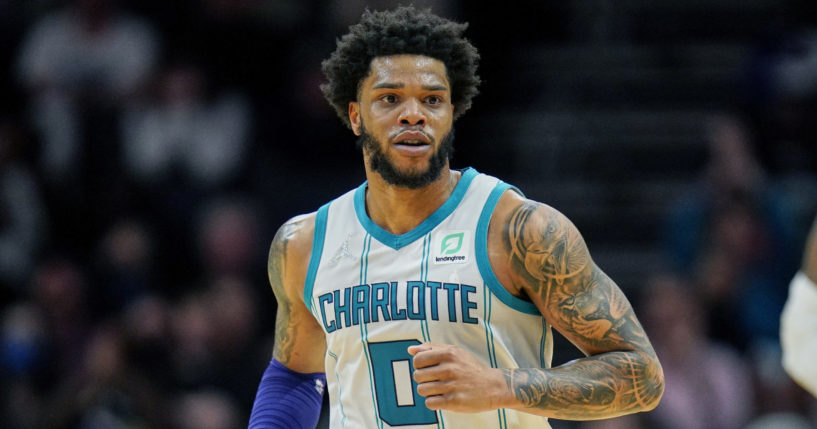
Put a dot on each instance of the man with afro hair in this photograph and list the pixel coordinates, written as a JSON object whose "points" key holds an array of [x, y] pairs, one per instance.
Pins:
{"points": [[425, 297]]}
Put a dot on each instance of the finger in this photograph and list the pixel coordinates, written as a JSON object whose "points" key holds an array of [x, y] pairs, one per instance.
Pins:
{"points": [[413, 350], [432, 388], [427, 374], [426, 358], [436, 402], [439, 353]]}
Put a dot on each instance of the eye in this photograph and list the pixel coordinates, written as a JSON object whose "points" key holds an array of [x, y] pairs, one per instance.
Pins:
{"points": [[389, 98], [434, 100]]}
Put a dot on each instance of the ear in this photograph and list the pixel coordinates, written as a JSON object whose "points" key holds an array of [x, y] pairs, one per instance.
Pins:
{"points": [[354, 117]]}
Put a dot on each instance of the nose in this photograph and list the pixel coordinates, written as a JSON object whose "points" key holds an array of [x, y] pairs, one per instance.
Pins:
{"points": [[412, 113]]}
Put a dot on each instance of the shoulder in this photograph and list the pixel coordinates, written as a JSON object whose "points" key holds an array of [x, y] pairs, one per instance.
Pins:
{"points": [[290, 251], [296, 233], [529, 241], [518, 215]]}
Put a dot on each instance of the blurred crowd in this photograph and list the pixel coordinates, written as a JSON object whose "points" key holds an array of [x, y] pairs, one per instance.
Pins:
{"points": [[149, 150], [138, 195]]}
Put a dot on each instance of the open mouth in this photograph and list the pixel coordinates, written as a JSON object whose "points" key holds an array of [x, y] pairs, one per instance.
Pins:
{"points": [[412, 145], [412, 138]]}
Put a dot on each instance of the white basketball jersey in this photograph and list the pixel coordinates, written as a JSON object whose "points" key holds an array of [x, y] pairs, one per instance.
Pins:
{"points": [[376, 293]]}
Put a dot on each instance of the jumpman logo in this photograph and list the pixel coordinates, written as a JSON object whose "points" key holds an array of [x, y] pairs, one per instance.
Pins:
{"points": [[343, 252]]}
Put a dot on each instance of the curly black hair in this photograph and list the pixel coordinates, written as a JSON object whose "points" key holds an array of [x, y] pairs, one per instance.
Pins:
{"points": [[404, 30]]}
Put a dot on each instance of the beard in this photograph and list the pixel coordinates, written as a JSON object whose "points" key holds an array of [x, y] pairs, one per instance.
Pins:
{"points": [[380, 163]]}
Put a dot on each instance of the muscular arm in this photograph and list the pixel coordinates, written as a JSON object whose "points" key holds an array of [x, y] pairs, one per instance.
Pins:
{"points": [[290, 390], [299, 340], [546, 259]]}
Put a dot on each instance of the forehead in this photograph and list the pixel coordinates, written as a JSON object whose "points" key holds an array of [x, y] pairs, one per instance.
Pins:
{"points": [[406, 69]]}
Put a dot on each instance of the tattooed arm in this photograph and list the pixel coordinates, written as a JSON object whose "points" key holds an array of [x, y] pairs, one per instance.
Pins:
{"points": [[539, 253], [299, 341], [289, 393]]}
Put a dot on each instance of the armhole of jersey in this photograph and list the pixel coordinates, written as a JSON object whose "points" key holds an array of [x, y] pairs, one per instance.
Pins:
{"points": [[484, 263], [317, 250]]}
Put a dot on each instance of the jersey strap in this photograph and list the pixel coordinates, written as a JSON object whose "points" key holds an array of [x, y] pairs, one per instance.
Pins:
{"points": [[317, 249], [484, 263]]}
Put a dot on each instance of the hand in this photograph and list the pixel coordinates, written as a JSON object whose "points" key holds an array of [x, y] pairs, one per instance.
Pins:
{"points": [[451, 378]]}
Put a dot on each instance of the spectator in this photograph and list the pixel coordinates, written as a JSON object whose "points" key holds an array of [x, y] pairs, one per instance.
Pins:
{"points": [[184, 131], [213, 334], [228, 239], [22, 213], [191, 359], [78, 66], [59, 290], [708, 386], [147, 335], [105, 391], [124, 268], [233, 340], [733, 231], [206, 409], [88, 54], [24, 345]]}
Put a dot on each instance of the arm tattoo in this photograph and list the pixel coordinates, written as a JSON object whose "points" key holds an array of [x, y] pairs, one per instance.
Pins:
{"points": [[285, 326], [550, 259]]}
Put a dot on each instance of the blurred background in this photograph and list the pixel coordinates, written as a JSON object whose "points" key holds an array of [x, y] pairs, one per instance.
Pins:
{"points": [[150, 149]]}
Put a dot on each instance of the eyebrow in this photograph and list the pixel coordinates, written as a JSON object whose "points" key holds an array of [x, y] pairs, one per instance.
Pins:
{"points": [[388, 85], [435, 87], [392, 85]]}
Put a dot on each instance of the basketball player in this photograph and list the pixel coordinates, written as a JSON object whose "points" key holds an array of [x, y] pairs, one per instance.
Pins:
{"points": [[798, 323], [425, 298]]}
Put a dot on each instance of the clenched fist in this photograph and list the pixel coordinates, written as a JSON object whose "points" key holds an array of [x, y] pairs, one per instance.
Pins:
{"points": [[451, 378]]}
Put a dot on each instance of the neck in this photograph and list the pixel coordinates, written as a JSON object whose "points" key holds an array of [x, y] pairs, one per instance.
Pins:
{"points": [[399, 210]]}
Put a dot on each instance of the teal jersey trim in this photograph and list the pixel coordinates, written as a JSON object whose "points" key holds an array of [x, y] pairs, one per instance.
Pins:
{"points": [[489, 341], [317, 250], [364, 332], [340, 389], [486, 318], [484, 264], [424, 278], [312, 307], [398, 241], [424, 322]]}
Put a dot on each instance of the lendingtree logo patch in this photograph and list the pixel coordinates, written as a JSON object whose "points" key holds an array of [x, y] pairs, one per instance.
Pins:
{"points": [[452, 248], [452, 243]]}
